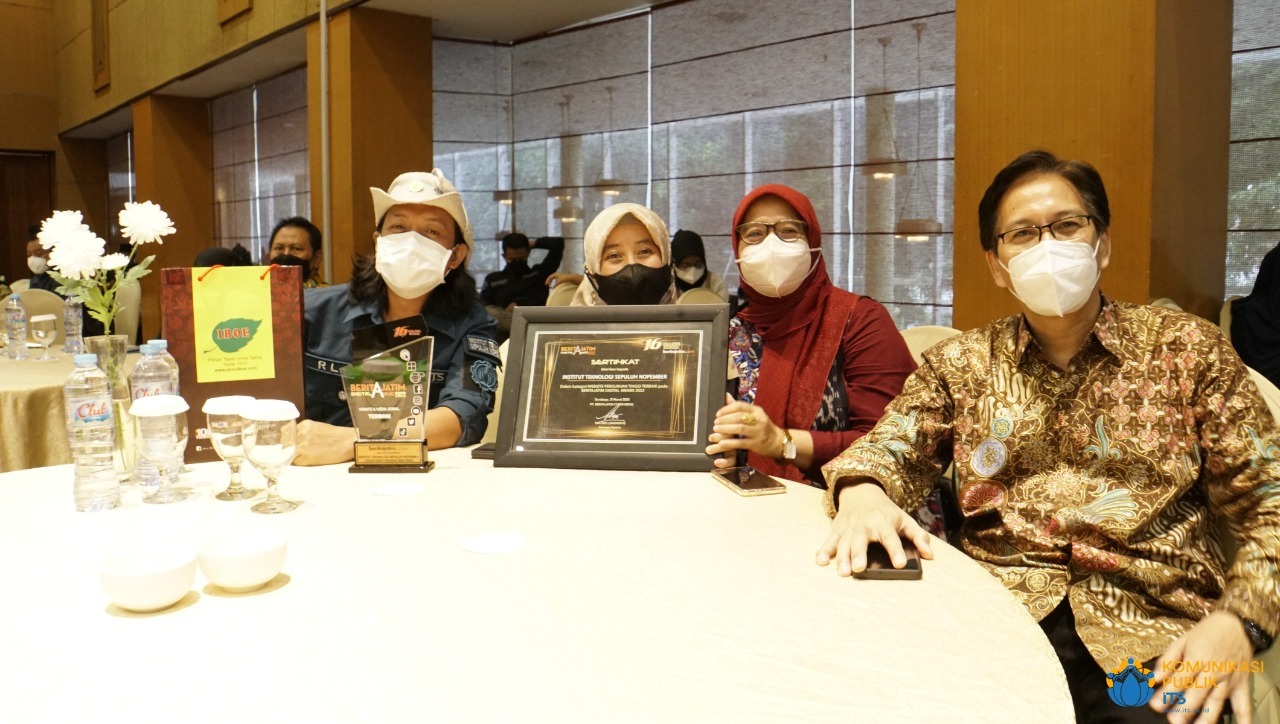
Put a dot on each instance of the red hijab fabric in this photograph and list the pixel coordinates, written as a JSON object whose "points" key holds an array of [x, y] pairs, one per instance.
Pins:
{"points": [[801, 333]]}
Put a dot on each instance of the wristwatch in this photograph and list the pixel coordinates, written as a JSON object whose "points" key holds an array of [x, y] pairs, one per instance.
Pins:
{"points": [[1259, 639], [788, 446]]}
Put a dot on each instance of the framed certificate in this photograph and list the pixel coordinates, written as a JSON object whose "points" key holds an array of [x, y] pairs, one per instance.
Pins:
{"points": [[620, 388]]}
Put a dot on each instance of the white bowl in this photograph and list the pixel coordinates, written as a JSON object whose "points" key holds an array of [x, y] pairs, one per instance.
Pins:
{"points": [[149, 579], [239, 561]]}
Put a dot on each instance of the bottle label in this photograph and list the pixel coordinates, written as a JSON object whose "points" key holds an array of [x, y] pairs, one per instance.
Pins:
{"points": [[151, 391], [83, 412]]}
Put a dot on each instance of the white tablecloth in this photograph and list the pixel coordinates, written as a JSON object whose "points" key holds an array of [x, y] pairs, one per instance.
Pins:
{"points": [[637, 597]]}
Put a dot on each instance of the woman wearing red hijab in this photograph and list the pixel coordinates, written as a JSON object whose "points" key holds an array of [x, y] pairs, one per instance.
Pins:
{"points": [[816, 364]]}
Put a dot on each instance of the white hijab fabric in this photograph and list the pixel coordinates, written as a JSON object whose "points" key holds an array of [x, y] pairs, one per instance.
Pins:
{"points": [[593, 246]]}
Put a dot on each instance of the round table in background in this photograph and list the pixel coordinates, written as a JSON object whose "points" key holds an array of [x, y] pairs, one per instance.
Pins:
{"points": [[631, 596], [32, 422]]}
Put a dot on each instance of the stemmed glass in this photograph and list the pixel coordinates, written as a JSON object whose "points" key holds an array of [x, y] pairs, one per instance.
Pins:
{"points": [[161, 422], [270, 441], [44, 327], [226, 428]]}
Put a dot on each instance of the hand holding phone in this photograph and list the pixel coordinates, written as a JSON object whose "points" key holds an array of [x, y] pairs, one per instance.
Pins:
{"points": [[880, 566]]}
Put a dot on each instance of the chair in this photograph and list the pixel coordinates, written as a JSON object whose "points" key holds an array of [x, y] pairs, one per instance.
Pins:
{"points": [[20, 285], [561, 295], [1167, 303], [921, 338], [129, 302], [38, 301], [700, 295], [491, 432], [1224, 317]]}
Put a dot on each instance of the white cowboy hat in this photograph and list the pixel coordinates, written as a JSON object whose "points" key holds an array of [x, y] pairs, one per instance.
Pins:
{"points": [[429, 189]]}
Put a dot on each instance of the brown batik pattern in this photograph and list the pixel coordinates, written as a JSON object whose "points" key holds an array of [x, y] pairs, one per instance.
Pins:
{"points": [[1096, 482]]}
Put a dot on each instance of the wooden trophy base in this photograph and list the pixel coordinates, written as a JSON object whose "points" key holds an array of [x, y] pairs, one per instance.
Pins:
{"points": [[391, 456]]}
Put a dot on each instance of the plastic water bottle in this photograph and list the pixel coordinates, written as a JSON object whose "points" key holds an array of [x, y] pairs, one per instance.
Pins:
{"points": [[15, 328], [162, 348], [92, 432], [150, 377], [73, 325]]}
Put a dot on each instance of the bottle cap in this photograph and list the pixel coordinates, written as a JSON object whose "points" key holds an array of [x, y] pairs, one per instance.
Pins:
{"points": [[158, 405], [160, 344], [86, 360]]}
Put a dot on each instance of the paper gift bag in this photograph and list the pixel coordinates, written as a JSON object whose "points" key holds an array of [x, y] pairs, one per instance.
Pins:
{"points": [[233, 331]]}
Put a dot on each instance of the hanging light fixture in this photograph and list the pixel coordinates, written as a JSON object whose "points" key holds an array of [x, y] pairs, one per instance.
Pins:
{"points": [[917, 229], [567, 212], [885, 166], [505, 198], [608, 185]]}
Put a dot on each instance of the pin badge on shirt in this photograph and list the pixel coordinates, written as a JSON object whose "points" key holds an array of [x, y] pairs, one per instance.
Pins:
{"points": [[989, 458], [1001, 427]]}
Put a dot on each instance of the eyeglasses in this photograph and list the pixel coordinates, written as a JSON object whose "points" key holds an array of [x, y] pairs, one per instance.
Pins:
{"points": [[1068, 228], [788, 230]]}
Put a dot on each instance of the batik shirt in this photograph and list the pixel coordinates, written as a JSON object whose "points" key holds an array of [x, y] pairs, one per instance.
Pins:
{"points": [[1096, 482]]}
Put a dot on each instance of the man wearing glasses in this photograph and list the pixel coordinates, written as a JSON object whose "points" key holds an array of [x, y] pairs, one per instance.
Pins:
{"points": [[1094, 443]]}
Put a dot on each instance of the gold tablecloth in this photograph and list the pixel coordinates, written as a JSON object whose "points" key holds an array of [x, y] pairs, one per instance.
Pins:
{"points": [[32, 421]]}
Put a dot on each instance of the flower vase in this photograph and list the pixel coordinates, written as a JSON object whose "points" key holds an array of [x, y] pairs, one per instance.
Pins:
{"points": [[112, 351]]}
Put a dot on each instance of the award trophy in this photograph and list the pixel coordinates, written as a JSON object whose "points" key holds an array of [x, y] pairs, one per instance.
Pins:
{"points": [[387, 394]]}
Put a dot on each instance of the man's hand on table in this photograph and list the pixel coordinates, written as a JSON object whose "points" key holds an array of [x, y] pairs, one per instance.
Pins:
{"points": [[1218, 637], [320, 443], [866, 514]]}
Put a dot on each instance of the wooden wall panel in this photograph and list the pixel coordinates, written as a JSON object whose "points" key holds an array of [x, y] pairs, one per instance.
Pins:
{"points": [[380, 118], [173, 163], [1116, 84]]}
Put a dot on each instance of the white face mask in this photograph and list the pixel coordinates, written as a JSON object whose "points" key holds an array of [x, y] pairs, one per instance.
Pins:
{"points": [[37, 264], [692, 274], [1054, 278], [776, 267], [410, 263]]}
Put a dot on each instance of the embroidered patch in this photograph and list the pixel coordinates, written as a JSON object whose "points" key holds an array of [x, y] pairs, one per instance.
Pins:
{"points": [[989, 458], [482, 345], [485, 375], [327, 366]]}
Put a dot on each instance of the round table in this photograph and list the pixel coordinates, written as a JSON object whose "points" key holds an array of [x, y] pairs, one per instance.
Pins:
{"points": [[635, 597], [33, 432]]}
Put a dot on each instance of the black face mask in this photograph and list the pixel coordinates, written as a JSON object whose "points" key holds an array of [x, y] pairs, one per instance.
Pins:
{"points": [[633, 284], [518, 266], [291, 260]]}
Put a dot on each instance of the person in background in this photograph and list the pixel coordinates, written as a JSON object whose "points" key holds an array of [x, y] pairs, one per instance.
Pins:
{"points": [[295, 241], [518, 283], [816, 364], [418, 267], [218, 256], [1095, 442], [38, 263], [691, 265], [627, 259], [1255, 320]]}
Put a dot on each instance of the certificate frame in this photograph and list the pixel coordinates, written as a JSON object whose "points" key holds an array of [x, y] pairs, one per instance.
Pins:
{"points": [[683, 449]]}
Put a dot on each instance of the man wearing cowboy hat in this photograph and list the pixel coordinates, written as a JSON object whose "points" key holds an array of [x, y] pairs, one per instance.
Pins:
{"points": [[419, 267]]}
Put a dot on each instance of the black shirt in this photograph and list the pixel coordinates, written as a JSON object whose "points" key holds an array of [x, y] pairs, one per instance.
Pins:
{"points": [[524, 285]]}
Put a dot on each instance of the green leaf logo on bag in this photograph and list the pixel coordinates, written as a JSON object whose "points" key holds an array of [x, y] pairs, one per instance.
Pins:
{"points": [[233, 334]]}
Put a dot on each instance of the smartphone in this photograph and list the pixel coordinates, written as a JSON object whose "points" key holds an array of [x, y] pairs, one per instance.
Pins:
{"points": [[879, 567], [746, 480]]}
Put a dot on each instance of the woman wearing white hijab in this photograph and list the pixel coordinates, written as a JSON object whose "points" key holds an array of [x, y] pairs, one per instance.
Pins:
{"points": [[627, 256]]}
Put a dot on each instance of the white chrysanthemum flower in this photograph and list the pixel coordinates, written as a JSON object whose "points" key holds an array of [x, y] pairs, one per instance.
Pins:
{"points": [[60, 226], [114, 261], [78, 255], [144, 222]]}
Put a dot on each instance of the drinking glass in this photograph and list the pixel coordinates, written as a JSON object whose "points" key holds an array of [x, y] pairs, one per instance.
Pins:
{"points": [[226, 432], [44, 327], [161, 422], [270, 437]]}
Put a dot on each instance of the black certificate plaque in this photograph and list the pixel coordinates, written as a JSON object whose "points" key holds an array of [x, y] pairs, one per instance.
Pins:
{"points": [[633, 387]]}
